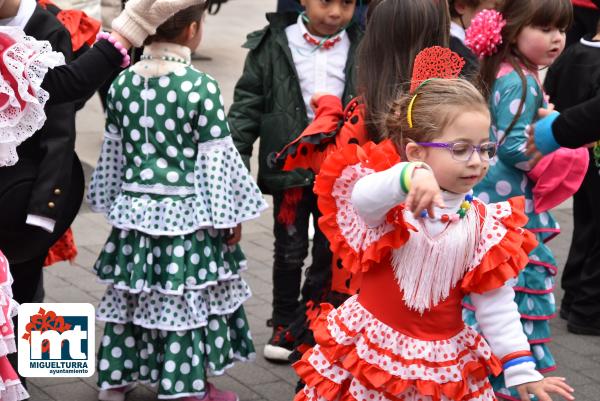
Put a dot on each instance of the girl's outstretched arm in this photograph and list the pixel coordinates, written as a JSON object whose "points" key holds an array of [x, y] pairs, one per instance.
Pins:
{"points": [[376, 194], [499, 320]]}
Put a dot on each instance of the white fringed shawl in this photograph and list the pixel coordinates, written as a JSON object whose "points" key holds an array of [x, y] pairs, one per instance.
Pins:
{"points": [[427, 268]]}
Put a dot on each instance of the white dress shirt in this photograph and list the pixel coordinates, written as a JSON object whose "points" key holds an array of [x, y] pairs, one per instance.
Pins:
{"points": [[26, 9], [319, 69], [457, 31]]}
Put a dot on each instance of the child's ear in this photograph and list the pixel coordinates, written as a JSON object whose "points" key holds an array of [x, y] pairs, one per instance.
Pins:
{"points": [[414, 152], [193, 30]]}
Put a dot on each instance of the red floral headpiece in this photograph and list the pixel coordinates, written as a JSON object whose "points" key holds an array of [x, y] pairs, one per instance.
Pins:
{"points": [[435, 62], [430, 63]]}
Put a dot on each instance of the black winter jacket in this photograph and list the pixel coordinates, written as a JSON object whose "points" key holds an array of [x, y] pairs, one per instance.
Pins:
{"points": [[268, 101]]}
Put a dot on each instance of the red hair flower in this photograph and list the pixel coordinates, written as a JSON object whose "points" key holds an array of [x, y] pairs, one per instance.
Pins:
{"points": [[484, 35], [435, 62]]}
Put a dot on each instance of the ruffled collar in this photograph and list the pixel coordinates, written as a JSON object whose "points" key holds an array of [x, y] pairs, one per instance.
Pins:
{"points": [[165, 50], [162, 58]]}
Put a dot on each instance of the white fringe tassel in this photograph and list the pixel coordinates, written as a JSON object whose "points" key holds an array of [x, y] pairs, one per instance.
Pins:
{"points": [[428, 268]]}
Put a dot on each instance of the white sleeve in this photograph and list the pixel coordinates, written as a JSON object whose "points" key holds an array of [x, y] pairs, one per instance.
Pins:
{"points": [[375, 194], [500, 322], [41, 221]]}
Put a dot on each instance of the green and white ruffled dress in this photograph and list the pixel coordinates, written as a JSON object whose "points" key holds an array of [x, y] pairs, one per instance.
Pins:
{"points": [[171, 183]]}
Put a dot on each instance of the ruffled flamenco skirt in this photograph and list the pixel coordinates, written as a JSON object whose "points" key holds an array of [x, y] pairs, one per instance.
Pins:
{"points": [[173, 310], [534, 296], [11, 388], [359, 358]]}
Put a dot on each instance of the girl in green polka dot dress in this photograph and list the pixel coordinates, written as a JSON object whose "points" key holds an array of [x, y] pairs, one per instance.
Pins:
{"points": [[175, 190]]}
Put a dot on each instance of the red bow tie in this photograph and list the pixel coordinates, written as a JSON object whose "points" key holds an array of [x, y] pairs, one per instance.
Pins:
{"points": [[328, 44]]}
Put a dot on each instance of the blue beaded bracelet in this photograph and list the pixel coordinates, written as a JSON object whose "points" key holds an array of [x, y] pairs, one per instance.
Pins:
{"points": [[518, 361]]}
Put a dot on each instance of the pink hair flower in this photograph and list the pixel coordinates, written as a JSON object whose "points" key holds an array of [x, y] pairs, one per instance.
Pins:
{"points": [[484, 35]]}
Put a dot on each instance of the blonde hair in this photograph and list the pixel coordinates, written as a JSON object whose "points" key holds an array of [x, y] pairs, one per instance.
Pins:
{"points": [[437, 104]]}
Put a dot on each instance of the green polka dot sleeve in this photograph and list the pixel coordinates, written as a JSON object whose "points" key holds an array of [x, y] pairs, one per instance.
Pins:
{"points": [[212, 123], [106, 180], [224, 187]]}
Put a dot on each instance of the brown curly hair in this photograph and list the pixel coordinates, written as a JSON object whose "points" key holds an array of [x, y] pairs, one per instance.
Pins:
{"points": [[437, 105]]}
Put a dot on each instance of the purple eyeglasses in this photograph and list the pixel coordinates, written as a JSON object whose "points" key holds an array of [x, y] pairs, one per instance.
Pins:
{"points": [[463, 151]]}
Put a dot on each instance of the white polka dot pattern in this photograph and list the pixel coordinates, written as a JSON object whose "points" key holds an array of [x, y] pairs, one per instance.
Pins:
{"points": [[357, 234], [388, 355]]}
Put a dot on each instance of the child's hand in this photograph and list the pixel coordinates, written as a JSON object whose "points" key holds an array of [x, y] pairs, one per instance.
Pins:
{"points": [[540, 389], [532, 149], [424, 193], [315, 99], [235, 235]]}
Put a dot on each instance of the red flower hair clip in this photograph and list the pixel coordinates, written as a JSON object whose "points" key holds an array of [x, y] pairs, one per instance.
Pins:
{"points": [[435, 62], [485, 33]]}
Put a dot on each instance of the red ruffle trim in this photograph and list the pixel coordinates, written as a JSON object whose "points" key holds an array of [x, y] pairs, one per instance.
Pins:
{"points": [[507, 258], [373, 377], [82, 28], [63, 250], [378, 157], [332, 128]]}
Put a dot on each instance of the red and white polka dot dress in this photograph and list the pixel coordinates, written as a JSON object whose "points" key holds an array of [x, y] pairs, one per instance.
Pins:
{"points": [[382, 345]]}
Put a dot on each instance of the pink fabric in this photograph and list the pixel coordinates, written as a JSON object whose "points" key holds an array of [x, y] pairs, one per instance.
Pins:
{"points": [[584, 3], [11, 388], [557, 177]]}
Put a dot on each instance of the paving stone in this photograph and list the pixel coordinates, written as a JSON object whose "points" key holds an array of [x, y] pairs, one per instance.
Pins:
{"points": [[74, 295], [43, 382], [142, 393], [37, 394], [276, 391], [78, 390], [226, 382], [589, 391], [251, 374]]}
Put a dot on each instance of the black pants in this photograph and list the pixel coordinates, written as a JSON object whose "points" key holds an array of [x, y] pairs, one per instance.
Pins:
{"points": [[581, 277], [291, 248], [28, 280], [585, 21]]}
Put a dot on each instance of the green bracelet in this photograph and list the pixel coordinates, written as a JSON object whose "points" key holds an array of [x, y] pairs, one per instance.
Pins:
{"points": [[405, 177]]}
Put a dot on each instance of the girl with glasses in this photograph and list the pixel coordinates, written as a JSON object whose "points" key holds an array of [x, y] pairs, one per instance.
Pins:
{"points": [[422, 241]]}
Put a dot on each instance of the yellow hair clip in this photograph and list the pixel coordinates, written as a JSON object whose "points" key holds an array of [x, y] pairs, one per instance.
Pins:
{"points": [[409, 111], [412, 102]]}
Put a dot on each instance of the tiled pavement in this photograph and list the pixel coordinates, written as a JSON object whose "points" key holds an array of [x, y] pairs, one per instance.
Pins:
{"points": [[577, 356]]}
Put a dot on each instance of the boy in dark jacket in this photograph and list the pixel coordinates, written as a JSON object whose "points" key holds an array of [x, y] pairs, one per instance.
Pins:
{"points": [[290, 59], [574, 79]]}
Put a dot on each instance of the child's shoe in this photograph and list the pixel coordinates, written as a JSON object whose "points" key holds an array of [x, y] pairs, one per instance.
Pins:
{"points": [[280, 346], [213, 394], [115, 394]]}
